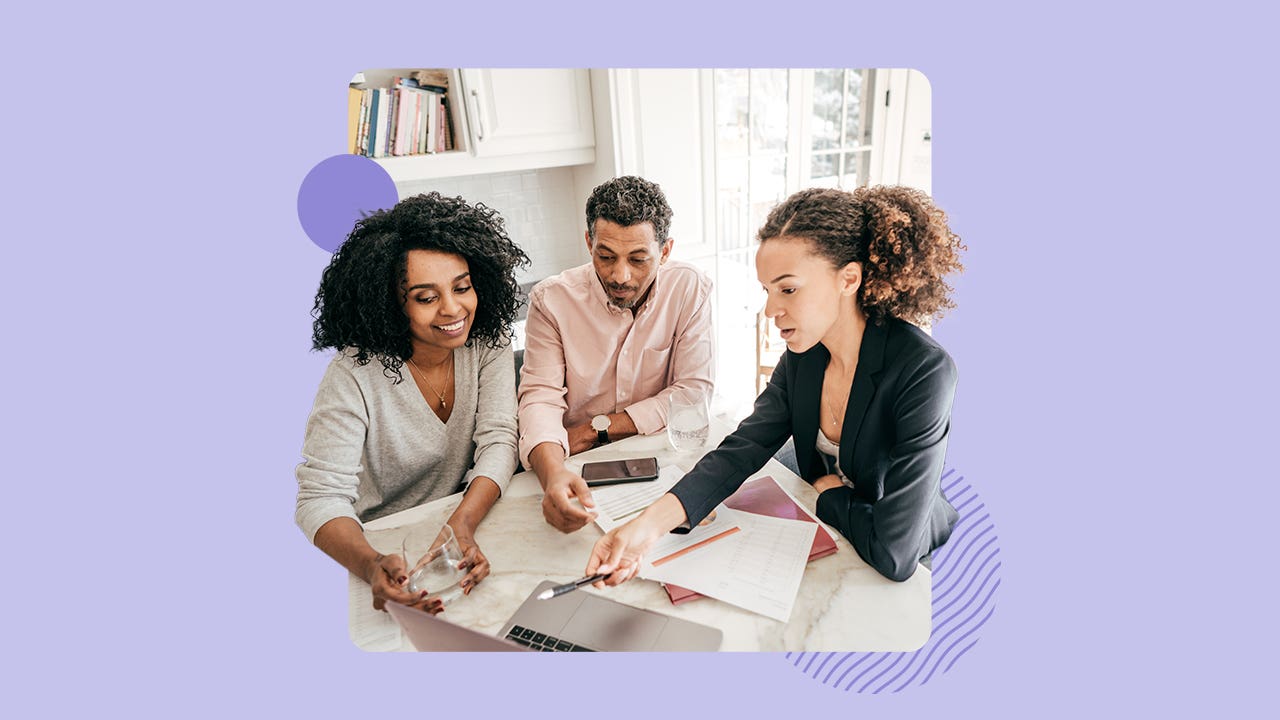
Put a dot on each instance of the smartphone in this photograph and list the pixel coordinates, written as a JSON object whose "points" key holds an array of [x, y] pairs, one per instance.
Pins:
{"points": [[612, 472]]}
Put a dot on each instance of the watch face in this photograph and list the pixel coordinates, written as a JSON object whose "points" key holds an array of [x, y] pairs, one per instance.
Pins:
{"points": [[600, 422]]}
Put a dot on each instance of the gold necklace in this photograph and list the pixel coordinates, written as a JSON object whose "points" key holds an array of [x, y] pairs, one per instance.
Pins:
{"points": [[428, 382], [835, 420]]}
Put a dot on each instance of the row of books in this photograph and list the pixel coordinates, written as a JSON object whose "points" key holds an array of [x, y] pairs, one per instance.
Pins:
{"points": [[409, 118]]}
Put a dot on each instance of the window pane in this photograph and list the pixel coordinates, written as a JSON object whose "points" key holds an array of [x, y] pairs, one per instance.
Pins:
{"points": [[768, 111], [828, 88], [856, 130], [731, 112], [856, 167], [732, 219], [823, 171], [768, 188], [745, 297], [738, 298]]}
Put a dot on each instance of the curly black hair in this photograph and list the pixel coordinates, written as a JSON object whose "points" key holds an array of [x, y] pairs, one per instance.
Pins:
{"points": [[898, 235], [360, 303], [627, 201]]}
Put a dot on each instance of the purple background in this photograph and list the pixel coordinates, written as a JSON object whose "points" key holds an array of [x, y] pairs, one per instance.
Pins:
{"points": [[1109, 168]]}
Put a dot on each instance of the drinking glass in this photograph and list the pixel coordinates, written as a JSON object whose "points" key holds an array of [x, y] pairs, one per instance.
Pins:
{"points": [[434, 559], [688, 420]]}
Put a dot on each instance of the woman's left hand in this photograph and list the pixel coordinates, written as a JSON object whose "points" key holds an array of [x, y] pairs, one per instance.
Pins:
{"points": [[474, 561], [826, 482]]}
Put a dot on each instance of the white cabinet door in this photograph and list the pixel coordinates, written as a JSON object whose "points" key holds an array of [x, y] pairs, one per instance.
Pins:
{"points": [[518, 111]]}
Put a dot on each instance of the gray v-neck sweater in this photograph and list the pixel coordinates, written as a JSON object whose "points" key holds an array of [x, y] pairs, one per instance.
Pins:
{"points": [[373, 447]]}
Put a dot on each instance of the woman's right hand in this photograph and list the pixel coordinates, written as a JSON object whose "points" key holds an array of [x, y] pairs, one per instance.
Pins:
{"points": [[621, 550], [386, 577]]}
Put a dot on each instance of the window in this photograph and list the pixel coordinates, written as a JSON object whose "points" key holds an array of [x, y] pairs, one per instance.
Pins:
{"points": [[777, 131], [839, 131]]}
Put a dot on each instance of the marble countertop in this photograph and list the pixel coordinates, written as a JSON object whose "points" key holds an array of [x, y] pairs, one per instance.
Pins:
{"points": [[842, 605]]}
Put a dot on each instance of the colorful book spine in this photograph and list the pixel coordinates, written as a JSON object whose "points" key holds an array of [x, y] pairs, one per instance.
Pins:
{"points": [[375, 101], [404, 121], [385, 118], [448, 123], [354, 96], [440, 123], [423, 114], [366, 101]]}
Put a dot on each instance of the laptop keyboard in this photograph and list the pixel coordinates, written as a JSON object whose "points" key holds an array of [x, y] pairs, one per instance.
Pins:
{"points": [[539, 641]]}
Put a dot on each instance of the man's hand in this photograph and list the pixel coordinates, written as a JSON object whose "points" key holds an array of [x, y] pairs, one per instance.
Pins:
{"points": [[584, 437], [581, 438], [566, 502]]}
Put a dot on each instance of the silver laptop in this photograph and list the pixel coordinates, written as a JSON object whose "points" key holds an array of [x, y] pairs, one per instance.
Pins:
{"points": [[574, 622], [429, 633]]}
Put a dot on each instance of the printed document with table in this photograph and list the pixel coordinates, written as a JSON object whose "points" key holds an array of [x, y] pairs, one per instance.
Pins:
{"points": [[753, 561]]}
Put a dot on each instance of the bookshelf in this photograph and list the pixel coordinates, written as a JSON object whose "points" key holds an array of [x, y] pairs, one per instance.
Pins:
{"points": [[504, 120]]}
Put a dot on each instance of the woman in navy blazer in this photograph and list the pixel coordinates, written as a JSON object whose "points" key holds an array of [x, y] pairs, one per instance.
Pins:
{"points": [[865, 393]]}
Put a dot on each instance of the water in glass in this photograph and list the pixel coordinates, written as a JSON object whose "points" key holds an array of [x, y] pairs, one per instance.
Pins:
{"points": [[434, 559], [688, 425]]}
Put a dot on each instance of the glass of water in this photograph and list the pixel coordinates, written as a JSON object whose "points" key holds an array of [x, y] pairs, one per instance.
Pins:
{"points": [[688, 420], [434, 559]]}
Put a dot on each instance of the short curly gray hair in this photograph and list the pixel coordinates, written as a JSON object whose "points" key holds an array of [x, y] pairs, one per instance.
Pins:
{"points": [[627, 201]]}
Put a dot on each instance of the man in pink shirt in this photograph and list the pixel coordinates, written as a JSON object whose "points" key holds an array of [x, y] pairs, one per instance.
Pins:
{"points": [[607, 342]]}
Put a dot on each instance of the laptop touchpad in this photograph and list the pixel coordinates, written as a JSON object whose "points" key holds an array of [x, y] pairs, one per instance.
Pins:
{"points": [[603, 625]]}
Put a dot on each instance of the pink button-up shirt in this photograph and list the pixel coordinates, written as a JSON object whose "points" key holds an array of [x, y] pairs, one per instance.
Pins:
{"points": [[585, 357]]}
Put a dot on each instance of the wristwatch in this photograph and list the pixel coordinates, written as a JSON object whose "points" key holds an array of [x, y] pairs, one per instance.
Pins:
{"points": [[600, 424]]}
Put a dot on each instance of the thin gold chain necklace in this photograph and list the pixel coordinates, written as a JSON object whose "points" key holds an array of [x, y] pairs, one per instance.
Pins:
{"points": [[835, 419], [831, 412], [428, 382]]}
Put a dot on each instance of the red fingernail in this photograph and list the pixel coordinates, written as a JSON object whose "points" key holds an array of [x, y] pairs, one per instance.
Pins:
{"points": [[402, 578]]}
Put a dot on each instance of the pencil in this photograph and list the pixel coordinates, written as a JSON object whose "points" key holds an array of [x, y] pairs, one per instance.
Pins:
{"points": [[695, 546]]}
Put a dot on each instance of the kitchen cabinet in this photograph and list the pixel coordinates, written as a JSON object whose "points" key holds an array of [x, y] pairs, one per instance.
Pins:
{"points": [[510, 120], [513, 112]]}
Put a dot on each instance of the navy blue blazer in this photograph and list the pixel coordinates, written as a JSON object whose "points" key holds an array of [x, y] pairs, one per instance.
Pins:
{"points": [[892, 446]]}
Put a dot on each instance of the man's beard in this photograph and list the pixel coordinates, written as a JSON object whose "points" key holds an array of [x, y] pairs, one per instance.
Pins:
{"points": [[624, 303]]}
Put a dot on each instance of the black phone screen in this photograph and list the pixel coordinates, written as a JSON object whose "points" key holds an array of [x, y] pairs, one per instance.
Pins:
{"points": [[608, 472]]}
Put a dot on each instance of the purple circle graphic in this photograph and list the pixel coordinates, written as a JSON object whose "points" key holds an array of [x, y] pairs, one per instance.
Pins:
{"points": [[338, 192]]}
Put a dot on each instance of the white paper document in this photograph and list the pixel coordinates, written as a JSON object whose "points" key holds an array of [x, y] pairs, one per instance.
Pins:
{"points": [[758, 568], [371, 630], [619, 503], [724, 527]]}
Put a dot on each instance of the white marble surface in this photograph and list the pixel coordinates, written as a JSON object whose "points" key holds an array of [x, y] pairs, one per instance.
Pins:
{"points": [[842, 605]]}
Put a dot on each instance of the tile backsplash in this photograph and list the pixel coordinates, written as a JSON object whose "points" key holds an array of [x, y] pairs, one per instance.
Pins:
{"points": [[539, 207]]}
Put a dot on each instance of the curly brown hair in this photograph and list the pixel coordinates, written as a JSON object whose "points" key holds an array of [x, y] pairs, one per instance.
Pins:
{"points": [[360, 303], [898, 235]]}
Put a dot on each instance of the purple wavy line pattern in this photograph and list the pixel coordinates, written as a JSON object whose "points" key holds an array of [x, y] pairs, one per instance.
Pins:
{"points": [[966, 577]]}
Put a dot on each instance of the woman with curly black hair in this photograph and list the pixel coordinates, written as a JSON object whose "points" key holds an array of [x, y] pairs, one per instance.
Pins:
{"points": [[428, 289], [864, 392]]}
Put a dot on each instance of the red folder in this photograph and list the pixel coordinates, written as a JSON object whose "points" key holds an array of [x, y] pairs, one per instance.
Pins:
{"points": [[763, 496]]}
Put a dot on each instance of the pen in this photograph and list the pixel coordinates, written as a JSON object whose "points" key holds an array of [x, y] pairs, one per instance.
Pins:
{"points": [[559, 590]]}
